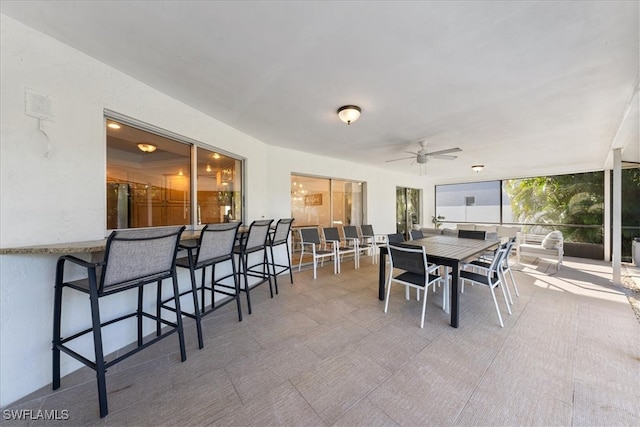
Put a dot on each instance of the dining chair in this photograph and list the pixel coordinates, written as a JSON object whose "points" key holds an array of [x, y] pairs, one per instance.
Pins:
{"points": [[485, 260], [132, 260], [214, 248], [353, 239], [331, 235], [310, 237], [375, 240], [279, 237], [416, 234], [395, 238], [254, 262], [472, 234], [490, 276], [415, 273]]}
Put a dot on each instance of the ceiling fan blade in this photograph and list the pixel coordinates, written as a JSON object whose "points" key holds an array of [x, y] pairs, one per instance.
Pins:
{"points": [[442, 156], [411, 152], [404, 158], [447, 151]]}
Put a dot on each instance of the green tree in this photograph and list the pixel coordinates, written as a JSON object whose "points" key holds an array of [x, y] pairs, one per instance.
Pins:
{"points": [[559, 201]]}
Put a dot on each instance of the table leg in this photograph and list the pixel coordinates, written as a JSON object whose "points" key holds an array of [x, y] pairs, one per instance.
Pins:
{"points": [[455, 317], [382, 275]]}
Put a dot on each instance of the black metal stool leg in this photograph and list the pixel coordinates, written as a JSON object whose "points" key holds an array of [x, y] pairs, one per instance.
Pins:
{"points": [[236, 283], [57, 315], [176, 294], [196, 310], [245, 260], [99, 355]]}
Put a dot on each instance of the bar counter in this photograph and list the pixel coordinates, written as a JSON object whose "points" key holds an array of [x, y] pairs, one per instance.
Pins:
{"points": [[88, 246]]}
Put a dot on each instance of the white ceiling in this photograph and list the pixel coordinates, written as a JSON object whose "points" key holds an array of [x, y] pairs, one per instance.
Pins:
{"points": [[522, 87]]}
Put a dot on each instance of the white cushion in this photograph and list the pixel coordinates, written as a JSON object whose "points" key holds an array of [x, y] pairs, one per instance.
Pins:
{"points": [[487, 228], [552, 240], [505, 231], [466, 227]]}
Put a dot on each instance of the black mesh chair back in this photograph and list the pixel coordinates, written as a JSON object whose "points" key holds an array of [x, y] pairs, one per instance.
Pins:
{"points": [[350, 232], [395, 238], [367, 230], [280, 237], [331, 234], [215, 246], [254, 261], [310, 235], [132, 259], [472, 234], [416, 234]]}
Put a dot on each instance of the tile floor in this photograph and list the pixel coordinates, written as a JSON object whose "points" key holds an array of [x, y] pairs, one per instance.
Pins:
{"points": [[323, 353]]}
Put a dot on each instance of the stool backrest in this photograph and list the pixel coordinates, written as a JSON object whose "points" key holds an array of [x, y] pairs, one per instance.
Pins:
{"points": [[283, 226], [258, 233], [139, 256], [217, 241]]}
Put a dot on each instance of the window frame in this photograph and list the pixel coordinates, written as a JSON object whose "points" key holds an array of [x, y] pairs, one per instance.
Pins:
{"points": [[109, 115]]}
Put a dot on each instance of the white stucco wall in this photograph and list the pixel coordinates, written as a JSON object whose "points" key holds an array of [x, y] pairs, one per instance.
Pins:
{"points": [[52, 184]]}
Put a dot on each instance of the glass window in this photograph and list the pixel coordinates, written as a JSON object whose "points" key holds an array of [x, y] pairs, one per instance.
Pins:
{"points": [[219, 188], [310, 201], [149, 182], [347, 202], [572, 203], [476, 202], [326, 202]]}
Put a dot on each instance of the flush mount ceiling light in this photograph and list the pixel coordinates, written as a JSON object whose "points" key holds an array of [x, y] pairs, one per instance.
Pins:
{"points": [[113, 125], [477, 168], [147, 148], [349, 113]]}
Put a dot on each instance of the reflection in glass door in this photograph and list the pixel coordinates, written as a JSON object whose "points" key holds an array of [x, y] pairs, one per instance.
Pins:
{"points": [[407, 210]]}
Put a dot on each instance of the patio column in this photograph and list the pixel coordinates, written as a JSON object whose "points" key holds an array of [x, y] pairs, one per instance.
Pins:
{"points": [[616, 215]]}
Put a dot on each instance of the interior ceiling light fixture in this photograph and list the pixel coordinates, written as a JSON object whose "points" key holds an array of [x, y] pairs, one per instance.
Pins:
{"points": [[147, 148], [113, 125], [477, 168], [349, 113]]}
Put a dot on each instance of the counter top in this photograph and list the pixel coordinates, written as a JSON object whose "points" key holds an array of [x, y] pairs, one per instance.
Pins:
{"points": [[87, 246]]}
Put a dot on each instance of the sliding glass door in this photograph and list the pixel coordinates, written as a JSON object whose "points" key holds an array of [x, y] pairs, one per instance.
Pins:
{"points": [[407, 210]]}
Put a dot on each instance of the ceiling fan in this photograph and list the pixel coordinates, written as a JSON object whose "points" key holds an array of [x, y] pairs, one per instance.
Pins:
{"points": [[422, 155]]}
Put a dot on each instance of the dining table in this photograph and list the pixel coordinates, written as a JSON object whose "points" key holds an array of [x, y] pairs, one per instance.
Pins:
{"points": [[448, 251]]}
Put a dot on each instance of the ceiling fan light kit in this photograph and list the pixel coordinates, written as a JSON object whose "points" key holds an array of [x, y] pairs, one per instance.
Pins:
{"points": [[349, 113], [422, 156]]}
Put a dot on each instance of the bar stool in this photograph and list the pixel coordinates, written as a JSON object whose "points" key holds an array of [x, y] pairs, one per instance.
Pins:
{"points": [[132, 259], [278, 237], [215, 246], [254, 245]]}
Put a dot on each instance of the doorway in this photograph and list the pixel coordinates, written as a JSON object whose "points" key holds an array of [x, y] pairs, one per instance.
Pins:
{"points": [[407, 210]]}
